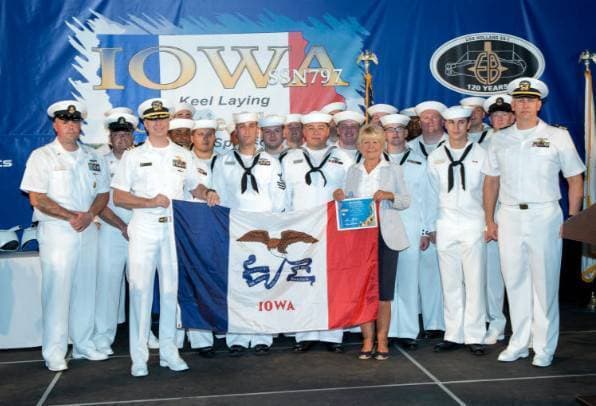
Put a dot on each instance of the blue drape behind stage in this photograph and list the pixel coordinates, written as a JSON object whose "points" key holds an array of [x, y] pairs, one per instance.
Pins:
{"points": [[46, 54]]}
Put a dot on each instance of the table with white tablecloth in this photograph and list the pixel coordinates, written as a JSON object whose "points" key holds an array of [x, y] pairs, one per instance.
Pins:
{"points": [[20, 300]]}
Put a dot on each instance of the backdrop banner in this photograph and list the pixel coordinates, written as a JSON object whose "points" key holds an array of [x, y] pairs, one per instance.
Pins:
{"points": [[272, 57]]}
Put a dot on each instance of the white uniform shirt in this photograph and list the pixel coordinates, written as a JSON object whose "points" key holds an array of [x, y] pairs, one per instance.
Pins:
{"points": [[421, 210], [475, 136], [124, 214], [300, 195], [71, 179], [267, 172], [352, 153], [146, 171], [423, 149], [528, 163], [460, 207], [205, 171]]}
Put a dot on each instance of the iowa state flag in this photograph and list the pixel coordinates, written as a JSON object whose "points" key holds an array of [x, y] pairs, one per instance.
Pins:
{"points": [[245, 272]]}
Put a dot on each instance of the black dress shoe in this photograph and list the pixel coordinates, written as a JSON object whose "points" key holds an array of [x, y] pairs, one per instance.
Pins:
{"points": [[446, 346], [477, 349], [207, 352], [430, 334], [407, 343], [236, 350], [302, 346], [262, 349], [335, 347]]}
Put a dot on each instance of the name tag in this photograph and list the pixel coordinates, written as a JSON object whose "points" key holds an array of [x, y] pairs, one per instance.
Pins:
{"points": [[145, 164], [335, 161], [179, 163], [229, 163], [541, 143], [94, 166], [265, 162], [202, 171], [414, 162], [298, 161], [439, 161]]}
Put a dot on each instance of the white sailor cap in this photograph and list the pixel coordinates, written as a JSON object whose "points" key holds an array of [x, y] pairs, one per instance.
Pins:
{"points": [[177, 123], [118, 121], [213, 124], [246, 117], [455, 112], [527, 87], [410, 112], [331, 107], [316, 117], [498, 102], [399, 119], [349, 115], [430, 105], [221, 124], [293, 118], [153, 109], [184, 106], [71, 110], [381, 108], [272, 120], [119, 110], [9, 241], [472, 102]]}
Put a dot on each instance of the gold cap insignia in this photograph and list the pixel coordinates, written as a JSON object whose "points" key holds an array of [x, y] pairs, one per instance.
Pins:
{"points": [[524, 85]]}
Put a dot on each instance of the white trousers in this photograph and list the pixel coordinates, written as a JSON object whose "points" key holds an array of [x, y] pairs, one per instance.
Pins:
{"points": [[68, 263], [150, 247], [248, 340], [329, 336], [109, 301], [198, 338], [405, 307], [431, 296], [530, 248], [462, 260], [495, 291]]}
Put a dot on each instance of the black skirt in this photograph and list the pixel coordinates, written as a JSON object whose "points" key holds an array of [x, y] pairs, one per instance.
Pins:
{"points": [[387, 270]]}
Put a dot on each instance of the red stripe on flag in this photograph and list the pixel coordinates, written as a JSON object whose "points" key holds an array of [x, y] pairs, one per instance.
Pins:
{"points": [[352, 274], [313, 96]]}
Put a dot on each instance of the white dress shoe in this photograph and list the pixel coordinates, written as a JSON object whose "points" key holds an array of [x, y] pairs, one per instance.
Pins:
{"points": [[91, 355], [153, 342], [542, 360], [56, 366], [511, 355], [139, 370], [175, 363]]}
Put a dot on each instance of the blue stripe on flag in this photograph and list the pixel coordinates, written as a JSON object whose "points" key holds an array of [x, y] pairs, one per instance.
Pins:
{"points": [[202, 247]]}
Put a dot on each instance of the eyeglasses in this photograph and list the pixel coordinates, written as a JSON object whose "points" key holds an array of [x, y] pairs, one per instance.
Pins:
{"points": [[395, 130]]}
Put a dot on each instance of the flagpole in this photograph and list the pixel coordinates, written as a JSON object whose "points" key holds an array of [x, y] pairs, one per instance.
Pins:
{"points": [[588, 261], [366, 58]]}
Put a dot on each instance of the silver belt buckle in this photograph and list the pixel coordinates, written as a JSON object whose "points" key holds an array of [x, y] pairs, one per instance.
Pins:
{"points": [[163, 219]]}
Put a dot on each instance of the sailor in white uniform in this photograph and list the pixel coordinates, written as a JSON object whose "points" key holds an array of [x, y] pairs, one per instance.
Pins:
{"points": [[478, 127], [348, 125], [431, 295], [147, 179], [246, 179], [522, 170], [376, 111], [312, 173], [456, 180], [68, 185], [113, 237], [404, 323]]}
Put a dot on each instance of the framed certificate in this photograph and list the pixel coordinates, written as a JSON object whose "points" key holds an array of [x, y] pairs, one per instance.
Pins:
{"points": [[356, 213]]}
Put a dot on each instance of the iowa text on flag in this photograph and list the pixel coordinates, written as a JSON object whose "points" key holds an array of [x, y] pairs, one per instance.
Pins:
{"points": [[247, 272]]}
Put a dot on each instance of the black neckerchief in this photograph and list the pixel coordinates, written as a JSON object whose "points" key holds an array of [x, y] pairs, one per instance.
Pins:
{"points": [[453, 164], [313, 168], [405, 157], [483, 136], [212, 165], [247, 173], [423, 149]]}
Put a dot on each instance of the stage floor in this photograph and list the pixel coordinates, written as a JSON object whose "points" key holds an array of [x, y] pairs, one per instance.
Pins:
{"points": [[315, 378]]}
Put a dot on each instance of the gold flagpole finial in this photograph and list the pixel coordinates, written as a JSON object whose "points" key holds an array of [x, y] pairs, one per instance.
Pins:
{"points": [[365, 58], [586, 57]]}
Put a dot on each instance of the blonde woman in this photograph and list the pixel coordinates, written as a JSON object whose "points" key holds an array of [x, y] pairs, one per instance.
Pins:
{"points": [[383, 181]]}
